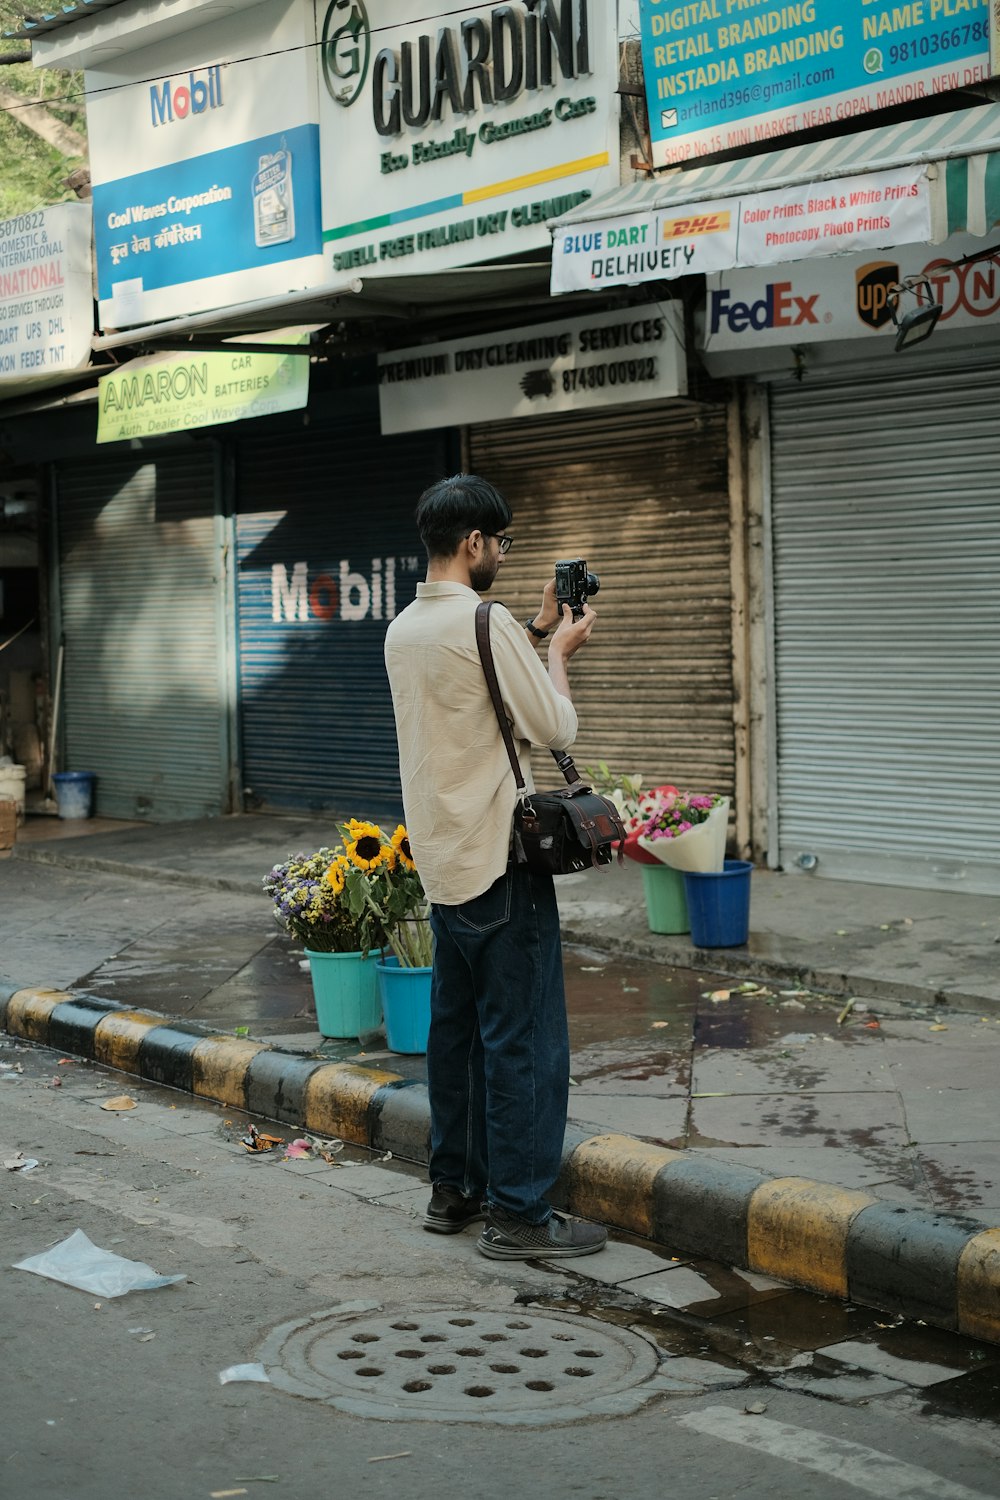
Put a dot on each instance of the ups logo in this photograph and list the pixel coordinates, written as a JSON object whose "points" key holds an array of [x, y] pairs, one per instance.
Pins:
{"points": [[874, 287]]}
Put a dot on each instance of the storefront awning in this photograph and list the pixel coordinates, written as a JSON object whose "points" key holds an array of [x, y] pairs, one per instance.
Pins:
{"points": [[397, 298], [954, 158]]}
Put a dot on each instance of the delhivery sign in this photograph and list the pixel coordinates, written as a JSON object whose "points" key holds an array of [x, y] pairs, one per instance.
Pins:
{"points": [[847, 297], [46, 300], [763, 229], [178, 392], [449, 142], [610, 359], [206, 170], [727, 73]]}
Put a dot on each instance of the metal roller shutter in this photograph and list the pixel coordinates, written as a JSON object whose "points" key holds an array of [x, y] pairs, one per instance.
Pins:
{"points": [[643, 496], [140, 551], [886, 543], [330, 508]]}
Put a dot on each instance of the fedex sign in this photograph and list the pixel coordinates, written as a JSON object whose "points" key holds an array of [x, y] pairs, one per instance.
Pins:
{"points": [[172, 100], [780, 307]]}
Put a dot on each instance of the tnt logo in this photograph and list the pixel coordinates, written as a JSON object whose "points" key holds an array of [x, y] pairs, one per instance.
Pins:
{"points": [[695, 225], [348, 596], [778, 308], [170, 101]]}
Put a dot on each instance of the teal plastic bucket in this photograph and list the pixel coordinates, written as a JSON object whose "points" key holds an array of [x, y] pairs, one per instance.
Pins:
{"points": [[345, 988], [406, 1004], [666, 901], [719, 905], [75, 793]]}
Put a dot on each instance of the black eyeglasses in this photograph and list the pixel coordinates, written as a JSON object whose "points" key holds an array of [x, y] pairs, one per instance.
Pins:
{"points": [[506, 542]]}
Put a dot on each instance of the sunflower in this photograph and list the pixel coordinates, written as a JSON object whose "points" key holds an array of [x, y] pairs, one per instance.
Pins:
{"points": [[335, 875], [365, 847], [401, 844]]}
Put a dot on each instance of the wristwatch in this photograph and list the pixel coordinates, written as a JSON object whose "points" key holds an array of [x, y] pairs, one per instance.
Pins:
{"points": [[533, 629]]}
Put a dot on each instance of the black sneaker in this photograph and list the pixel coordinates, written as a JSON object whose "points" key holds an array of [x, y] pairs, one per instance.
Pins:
{"points": [[505, 1237], [449, 1211]]}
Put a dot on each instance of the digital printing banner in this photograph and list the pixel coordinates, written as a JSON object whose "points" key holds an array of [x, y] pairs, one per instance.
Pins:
{"points": [[727, 73], [867, 212]]}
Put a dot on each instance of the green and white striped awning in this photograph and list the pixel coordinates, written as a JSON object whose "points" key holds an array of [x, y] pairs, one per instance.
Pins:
{"points": [[963, 150]]}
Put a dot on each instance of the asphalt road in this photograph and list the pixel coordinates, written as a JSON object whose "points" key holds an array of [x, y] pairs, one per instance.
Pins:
{"points": [[120, 1398]]}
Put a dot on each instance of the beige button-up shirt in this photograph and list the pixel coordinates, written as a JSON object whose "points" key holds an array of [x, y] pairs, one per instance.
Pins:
{"points": [[458, 786]]}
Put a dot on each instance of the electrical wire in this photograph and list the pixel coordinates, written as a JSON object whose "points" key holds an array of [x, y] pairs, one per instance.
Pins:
{"points": [[113, 88]]}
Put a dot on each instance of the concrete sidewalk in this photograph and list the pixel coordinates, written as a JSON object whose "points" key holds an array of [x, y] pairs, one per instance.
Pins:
{"points": [[759, 1124], [882, 942]]}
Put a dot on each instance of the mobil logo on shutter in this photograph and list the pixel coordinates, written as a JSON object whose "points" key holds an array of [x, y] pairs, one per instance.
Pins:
{"points": [[179, 98], [298, 596]]}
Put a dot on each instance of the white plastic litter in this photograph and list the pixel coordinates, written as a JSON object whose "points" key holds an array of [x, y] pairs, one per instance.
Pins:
{"points": [[78, 1262], [244, 1372]]}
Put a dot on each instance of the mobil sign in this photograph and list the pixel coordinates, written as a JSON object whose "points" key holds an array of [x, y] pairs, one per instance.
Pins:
{"points": [[846, 296]]}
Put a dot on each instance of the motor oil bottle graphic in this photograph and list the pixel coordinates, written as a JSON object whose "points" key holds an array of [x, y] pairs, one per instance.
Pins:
{"points": [[273, 199]]}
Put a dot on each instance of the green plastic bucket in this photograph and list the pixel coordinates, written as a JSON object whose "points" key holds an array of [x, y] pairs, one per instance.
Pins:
{"points": [[666, 900], [345, 988]]}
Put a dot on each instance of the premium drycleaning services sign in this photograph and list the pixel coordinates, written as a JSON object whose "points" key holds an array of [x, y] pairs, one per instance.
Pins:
{"points": [[178, 392], [205, 161], [866, 212], [450, 140], [608, 359], [727, 73], [46, 301]]}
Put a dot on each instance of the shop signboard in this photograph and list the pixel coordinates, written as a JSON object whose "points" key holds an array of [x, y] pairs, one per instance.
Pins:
{"points": [[451, 141], [722, 74], [848, 297], [178, 392], [845, 214], [204, 152], [46, 299], [607, 359]]}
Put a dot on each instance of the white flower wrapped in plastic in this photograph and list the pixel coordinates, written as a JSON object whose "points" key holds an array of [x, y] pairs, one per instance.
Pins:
{"points": [[688, 832]]}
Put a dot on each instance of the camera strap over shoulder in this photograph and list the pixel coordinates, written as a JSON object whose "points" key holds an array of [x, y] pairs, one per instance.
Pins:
{"points": [[575, 785]]}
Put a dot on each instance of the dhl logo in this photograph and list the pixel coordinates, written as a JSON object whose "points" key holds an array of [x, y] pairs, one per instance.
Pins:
{"points": [[686, 229]]}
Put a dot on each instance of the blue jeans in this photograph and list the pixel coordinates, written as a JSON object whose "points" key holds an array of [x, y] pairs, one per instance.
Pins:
{"points": [[498, 1051]]}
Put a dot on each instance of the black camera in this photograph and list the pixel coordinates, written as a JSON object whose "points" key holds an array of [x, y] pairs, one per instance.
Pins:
{"points": [[574, 585]]}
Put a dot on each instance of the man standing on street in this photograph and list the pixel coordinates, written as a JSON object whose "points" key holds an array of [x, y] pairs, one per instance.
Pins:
{"points": [[498, 1051]]}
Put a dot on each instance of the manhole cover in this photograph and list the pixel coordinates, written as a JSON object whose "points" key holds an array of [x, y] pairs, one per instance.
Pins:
{"points": [[508, 1367]]}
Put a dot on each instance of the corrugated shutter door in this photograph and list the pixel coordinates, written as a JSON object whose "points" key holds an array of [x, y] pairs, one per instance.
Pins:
{"points": [[142, 616], [331, 509], [643, 497], [886, 536]]}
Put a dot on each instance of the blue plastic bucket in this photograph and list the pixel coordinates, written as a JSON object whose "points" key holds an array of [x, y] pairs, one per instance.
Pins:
{"points": [[719, 905], [75, 793], [345, 989], [406, 1004]]}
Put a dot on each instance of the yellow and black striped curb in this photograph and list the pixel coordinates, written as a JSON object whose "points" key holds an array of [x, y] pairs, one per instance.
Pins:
{"points": [[943, 1268]]}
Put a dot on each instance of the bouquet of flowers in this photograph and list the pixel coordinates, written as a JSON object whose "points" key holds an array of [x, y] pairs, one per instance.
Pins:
{"points": [[686, 830], [363, 894], [635, 805]]}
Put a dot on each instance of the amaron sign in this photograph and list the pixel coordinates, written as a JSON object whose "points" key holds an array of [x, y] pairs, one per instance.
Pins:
{"points": [[298, 597]]}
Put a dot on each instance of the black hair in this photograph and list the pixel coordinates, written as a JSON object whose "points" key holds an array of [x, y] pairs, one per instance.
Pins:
{"points": [[451, 508]]}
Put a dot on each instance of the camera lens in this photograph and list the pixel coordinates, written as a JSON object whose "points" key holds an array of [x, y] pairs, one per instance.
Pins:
{"points": [[593, 583]]}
